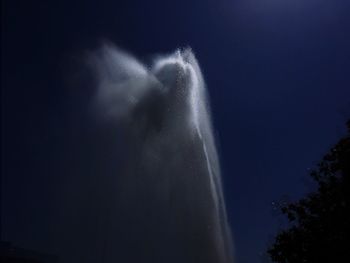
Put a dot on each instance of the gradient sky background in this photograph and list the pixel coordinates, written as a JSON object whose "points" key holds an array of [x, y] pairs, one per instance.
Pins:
{"points": [[278, 74]]}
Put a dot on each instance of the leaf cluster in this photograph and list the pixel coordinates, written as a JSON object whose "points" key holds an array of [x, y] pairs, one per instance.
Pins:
{"points": [[319, 230]]}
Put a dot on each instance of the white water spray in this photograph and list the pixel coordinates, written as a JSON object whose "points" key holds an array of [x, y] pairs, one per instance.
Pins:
{"points": [[168, 196]]}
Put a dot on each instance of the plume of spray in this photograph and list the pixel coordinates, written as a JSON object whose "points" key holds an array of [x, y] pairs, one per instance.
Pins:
{"points": [[168, 200]]}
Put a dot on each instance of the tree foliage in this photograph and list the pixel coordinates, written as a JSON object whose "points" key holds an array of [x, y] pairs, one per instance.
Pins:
{"points": [[319, 230]]}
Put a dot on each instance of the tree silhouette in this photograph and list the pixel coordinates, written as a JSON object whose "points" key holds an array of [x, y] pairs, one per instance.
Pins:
{"points": [[319, 230]]}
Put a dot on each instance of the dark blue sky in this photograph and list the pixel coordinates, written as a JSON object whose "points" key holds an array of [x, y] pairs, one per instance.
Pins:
{"points": [[278, 73]]}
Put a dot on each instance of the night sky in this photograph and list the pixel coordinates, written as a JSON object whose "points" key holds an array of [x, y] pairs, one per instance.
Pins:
{"points": [[277, 71]]}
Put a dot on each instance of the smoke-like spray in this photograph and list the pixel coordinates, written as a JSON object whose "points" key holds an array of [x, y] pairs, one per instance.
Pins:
{"points": [[169, 205]]}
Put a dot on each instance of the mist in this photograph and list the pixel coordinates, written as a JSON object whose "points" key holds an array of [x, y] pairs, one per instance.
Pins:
{"points": [[143, 182]]}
